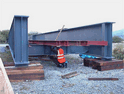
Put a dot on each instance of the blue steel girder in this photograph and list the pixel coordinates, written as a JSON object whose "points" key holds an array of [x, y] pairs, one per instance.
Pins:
{"points": [[39, 50], [95, 32], [18, 39]]}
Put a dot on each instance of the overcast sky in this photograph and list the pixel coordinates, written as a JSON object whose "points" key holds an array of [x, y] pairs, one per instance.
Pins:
{"points": [[49, 15]]}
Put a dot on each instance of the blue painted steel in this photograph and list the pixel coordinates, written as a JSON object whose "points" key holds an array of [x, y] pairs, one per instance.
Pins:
{"points": [[35, 50], [95, 32], [86, 56], [18, 39]]}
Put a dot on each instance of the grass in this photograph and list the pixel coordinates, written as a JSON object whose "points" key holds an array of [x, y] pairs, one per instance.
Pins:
{"points": [[6, 56], [118, 52]]}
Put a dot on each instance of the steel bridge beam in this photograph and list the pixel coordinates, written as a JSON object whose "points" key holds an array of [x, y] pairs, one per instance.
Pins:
{"points": [[89, 33], [92, 39], [18, 40]]}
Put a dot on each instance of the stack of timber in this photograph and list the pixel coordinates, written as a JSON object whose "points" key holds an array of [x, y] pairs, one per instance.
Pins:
{"points": [[104, 65], [89, 61], [8, 64], [34, 71], [5, 85]]}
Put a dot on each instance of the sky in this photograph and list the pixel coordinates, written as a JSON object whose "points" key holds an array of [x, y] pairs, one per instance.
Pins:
{"points": [[50, 15]]}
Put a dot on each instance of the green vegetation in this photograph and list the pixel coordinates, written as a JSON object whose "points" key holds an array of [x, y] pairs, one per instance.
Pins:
{"points": [[32, 33], [118, 52], [116, 39], [4, 36], [6, 56]]}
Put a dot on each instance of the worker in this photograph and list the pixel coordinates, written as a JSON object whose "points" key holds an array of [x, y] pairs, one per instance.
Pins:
{"points": [[61, 61]]}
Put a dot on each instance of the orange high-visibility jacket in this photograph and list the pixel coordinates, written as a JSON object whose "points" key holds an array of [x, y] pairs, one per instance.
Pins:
{"points": [[60, 56]]}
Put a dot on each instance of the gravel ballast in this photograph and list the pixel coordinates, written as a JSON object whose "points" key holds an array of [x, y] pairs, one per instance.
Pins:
{"points": [[54, 84]]}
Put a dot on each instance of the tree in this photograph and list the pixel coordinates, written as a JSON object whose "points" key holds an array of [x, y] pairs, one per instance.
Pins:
{"points": [[32, 33], [4, 36], [117, 39], [2, 39], [118, 52]]}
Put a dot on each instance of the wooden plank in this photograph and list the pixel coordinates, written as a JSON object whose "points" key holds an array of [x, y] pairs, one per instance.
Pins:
{"points": [[23, 75], [17, 78], [103, 79], [87, 62], [12, 63], [34, 62], [25, 80], [24, 71], [27, 77], [69, 75], [8, 64], [90, 62], [59, 32], [31, 66], [106, 63], [101, 69], [110, 67], [5, 86]]}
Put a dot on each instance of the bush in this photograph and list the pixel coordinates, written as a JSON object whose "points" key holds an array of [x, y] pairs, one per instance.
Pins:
{"points": [[118, 52], [116, 39], [4, 36], [2, 39], [32, 33]]}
